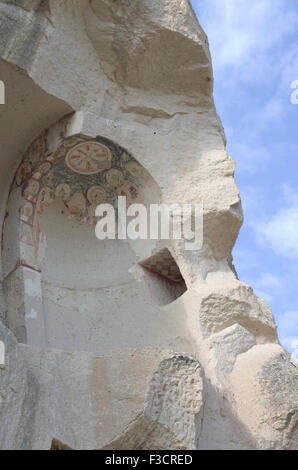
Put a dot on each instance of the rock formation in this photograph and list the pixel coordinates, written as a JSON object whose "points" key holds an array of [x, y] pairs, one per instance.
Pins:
{"points": [[121, 344]]}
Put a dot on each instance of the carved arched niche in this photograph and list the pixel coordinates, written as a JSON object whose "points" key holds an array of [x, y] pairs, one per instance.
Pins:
{"points": [[64, 288]]}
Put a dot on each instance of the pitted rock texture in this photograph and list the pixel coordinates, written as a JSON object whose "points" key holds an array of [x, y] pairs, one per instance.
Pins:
{"points": [[136, 364], [18, 395], [238, 304], [139, 400], [173, 415]]}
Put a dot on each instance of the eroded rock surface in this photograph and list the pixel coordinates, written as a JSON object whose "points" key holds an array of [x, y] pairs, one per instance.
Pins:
{"points": [[99, 353]]}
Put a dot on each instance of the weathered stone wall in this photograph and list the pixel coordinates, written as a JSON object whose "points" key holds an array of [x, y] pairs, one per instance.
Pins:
{"points": [[204, 371]]}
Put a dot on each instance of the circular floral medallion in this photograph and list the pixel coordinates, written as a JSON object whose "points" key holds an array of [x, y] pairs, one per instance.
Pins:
{"points": [[115, 178], [97, 195], [89, 158]]}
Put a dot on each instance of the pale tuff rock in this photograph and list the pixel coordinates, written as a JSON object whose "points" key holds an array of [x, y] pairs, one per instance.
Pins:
{"points": [[264, 384], [17, 395], [174, 411], [2, 354], [100, 353], [224, 305], [124, 400]]}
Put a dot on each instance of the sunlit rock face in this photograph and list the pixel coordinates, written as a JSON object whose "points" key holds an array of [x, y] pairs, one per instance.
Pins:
{"points": [[124, 344]]}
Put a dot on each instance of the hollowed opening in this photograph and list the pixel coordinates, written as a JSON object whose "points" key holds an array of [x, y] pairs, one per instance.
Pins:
{"points": [[58, 445], [65, 288], [163, 267]]}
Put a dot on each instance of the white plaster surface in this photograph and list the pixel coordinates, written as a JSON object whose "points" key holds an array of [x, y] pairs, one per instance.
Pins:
{"points": [[99, 354]]}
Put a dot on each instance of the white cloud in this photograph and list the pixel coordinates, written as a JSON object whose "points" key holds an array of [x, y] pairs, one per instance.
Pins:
{"points": [[288, 342], [255, 60], [288, 330], [274, 110], [290, 195], [267, 286], [248, 263], [254, 202], [250, 158], [288, 323], [242, 32], [269, 281], [289, 67], [245, 259], [280, 232]]}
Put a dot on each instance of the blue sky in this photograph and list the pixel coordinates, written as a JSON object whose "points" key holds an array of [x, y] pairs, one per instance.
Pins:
{"points": [[254, 46]]}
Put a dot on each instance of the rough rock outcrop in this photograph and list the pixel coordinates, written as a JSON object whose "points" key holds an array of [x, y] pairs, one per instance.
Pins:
{"points": [[100, 353]]}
